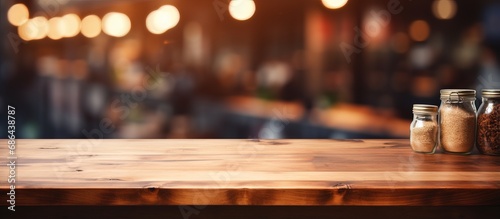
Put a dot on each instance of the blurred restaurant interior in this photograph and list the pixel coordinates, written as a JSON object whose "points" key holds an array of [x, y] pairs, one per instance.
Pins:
{"points": [[238, 68]]}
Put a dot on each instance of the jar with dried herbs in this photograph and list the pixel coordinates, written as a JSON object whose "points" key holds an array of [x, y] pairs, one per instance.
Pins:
{"points": [[488, 123]]}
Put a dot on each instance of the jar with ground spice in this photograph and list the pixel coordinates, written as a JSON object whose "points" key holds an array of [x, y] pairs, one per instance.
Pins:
{"points": [[488, 123], [424, 128], [457, 120]]}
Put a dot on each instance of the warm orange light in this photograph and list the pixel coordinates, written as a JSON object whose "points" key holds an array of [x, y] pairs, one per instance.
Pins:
{"points": [[40, 26], [56, 27], [153, 22], [171, 14], [26, 31], [91, 26], [34, 29], [18, 14], [116, 24], [71, 25], [419, 30], [30, 30], [159, 21], [241, 9], [334, 4], [444, 9]]}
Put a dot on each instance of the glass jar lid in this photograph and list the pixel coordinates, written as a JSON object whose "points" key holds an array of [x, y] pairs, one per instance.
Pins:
{"points": [[457, 95], [490, 93], [424, 108]]}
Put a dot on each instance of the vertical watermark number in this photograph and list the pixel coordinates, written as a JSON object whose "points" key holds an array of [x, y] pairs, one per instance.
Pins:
{"points": [[12, 157]]}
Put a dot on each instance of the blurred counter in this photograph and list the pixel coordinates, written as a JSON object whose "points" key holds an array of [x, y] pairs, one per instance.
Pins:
{"points": [[342, 117]]}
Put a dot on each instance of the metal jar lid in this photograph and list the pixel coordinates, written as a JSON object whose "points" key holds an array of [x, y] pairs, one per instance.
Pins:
{"points": [[490, 93], [424, 108], [457, 95]]}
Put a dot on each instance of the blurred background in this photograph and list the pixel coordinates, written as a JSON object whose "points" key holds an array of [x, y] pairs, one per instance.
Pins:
{"points": [[238, 68]]}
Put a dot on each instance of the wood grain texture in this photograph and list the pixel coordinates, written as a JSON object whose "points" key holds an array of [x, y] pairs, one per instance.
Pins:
{"points": [[247, 172]]}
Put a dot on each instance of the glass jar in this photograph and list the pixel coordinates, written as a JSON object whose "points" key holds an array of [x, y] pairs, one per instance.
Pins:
{"points": [[424, 128], [488, 123], [457, 120]]}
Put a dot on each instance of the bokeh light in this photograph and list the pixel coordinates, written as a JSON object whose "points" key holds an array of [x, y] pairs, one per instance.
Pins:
{"points": [[159, 21], [18, 14], [419, 30], [152, 21], [334, 4], [444, 9], [34, 29], [241, 9], [41, 27], [116, 24], [91, 26], [55, 28], [71, 24], [171, 14], [27, 31]]}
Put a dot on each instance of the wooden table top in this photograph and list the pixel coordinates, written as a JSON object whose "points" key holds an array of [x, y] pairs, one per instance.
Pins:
{"points": [[246, 172]]}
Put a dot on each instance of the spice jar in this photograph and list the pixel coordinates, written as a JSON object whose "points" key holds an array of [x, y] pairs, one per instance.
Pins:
{"points": [[457, 120], [488, 123], [424, 128]]}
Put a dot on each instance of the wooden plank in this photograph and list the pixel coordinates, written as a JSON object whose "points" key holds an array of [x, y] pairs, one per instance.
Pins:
{"points": [[247, 172]]}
